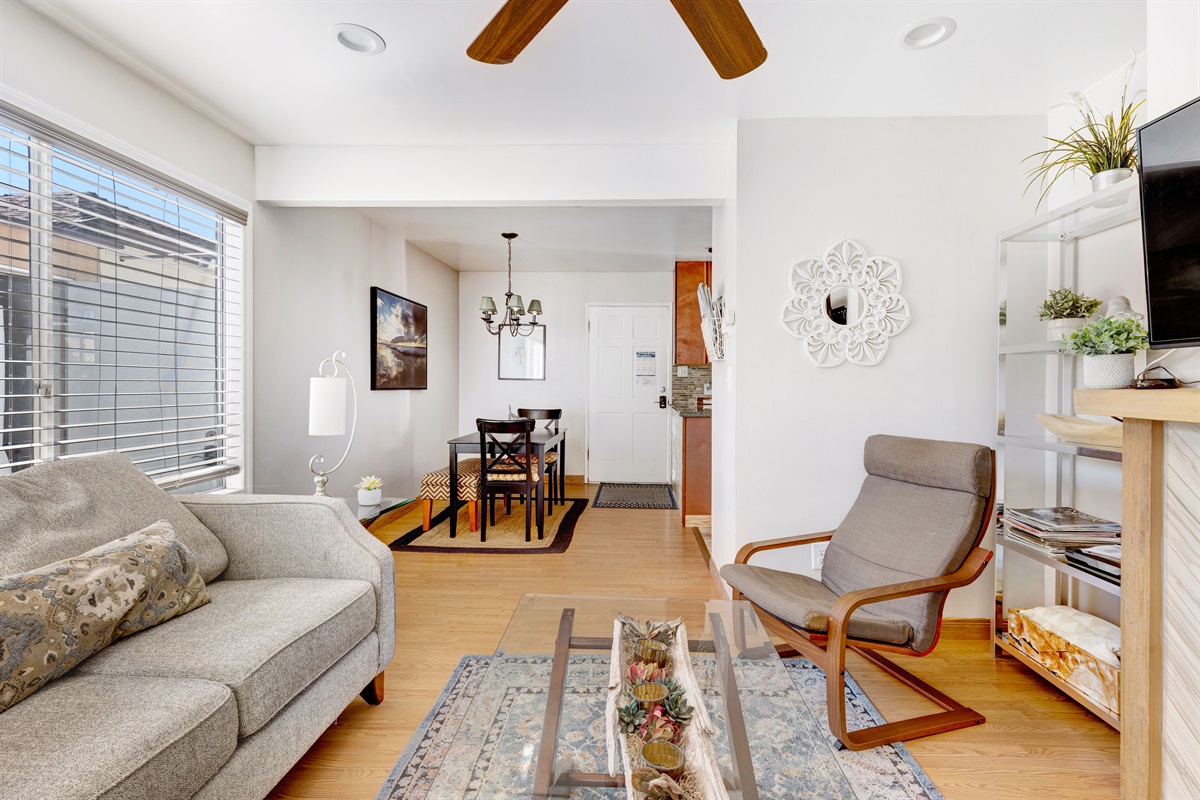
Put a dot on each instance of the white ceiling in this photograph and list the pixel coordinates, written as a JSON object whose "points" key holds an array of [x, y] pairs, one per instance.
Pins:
{"points": [[601, 71], [559, 239]]}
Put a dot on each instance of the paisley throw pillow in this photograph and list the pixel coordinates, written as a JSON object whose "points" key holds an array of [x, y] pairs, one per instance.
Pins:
{"points": [[54, 617]]}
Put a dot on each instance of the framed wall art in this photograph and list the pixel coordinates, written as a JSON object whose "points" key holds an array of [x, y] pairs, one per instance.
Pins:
{"points": [[523, 358], [399, 342]]}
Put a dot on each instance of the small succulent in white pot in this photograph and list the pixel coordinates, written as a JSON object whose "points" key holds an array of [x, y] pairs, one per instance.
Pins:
{"points": [[370, 491], [1064, 311], [1108, 346]]}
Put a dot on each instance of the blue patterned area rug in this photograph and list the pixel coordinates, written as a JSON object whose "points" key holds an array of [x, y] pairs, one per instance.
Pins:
{"points": [[793, 752]]}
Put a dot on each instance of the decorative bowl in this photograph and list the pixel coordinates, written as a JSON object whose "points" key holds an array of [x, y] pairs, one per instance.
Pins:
{"points": [[1084, 431], [649, 695], [664, 757]]}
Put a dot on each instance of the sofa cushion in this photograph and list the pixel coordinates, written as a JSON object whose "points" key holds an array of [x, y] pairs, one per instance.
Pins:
{"points": [[54, 511], [805, 603], [54, 617], [116, 738], [264, 639]]}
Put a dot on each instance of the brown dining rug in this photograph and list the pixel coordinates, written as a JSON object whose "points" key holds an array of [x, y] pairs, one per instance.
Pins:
{"points": [[635, 495], [506, 536]]}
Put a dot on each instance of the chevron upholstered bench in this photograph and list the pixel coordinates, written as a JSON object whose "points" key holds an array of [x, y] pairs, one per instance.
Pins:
{"points": [[436, 486]]}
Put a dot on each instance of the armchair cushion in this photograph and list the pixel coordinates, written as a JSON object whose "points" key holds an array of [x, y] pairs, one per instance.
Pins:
{"points": [[928, 462], [290, 536], [901, 528], [264, 639], [116, 738], [58, 510], [803, 602]]}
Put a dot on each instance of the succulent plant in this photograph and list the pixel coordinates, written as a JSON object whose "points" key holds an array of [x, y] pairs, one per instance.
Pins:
{"points": [[658, 727], [643, 672], [631, 717], [677, 708], [1066, 304], [673, 687], [368, 483], [655, 785], [658, 631]]}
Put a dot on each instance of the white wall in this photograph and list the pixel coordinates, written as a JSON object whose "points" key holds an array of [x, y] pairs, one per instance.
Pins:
{"points": [[43, 68], [635, 174], [314, 271], [564, 297], [930, 193], [1173, 42]]}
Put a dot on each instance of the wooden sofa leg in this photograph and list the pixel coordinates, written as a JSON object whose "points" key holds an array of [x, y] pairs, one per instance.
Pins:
{"points": [[373, 692], [428, 519], [473, 515]]}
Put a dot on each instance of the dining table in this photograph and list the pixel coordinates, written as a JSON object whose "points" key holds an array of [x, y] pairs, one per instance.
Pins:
{"points": [[540, 441]]}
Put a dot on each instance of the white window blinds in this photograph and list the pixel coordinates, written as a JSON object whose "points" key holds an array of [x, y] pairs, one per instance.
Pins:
{"points": [[121, 315]]}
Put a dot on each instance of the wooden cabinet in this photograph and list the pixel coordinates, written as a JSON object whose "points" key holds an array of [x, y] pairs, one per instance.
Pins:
{"points": [[691, 467], [689, 341]]}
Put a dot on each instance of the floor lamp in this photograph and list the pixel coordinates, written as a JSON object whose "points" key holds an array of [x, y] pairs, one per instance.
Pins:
{"points": [[327, 413]]}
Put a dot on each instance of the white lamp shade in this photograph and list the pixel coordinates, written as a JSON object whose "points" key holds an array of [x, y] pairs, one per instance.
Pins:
{"points": [[326, 406]]}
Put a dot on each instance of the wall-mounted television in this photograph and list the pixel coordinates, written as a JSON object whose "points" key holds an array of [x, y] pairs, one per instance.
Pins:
{"points": [[1169, 160]]}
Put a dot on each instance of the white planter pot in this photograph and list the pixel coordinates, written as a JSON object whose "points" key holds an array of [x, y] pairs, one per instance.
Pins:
{"points": [[1108, 372], [1057, 329], [1102, 180], [370, 497]]}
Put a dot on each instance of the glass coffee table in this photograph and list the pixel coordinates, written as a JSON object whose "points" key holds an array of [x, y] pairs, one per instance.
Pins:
{"points": [[536, 728]]}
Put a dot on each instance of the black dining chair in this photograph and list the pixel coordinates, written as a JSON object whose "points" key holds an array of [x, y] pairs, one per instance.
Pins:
{"points": [[554, 468], [508, 468]]}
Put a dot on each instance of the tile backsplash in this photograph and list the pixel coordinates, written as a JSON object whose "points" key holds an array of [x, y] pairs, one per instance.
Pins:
{"points": [[684, 391]]}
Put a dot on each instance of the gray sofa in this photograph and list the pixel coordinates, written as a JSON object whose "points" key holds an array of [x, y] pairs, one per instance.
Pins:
{"points": [[217, 704]]}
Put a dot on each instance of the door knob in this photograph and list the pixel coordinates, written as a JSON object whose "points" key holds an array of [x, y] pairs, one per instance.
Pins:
{"points": [[662, 401]]}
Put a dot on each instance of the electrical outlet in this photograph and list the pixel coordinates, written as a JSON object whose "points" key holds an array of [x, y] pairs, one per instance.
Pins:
{"points": [[681, 371], [818, 555]]}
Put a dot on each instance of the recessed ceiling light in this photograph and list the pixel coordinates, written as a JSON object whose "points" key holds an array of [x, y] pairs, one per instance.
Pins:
{"points": [[925, 33], [360, 39]]}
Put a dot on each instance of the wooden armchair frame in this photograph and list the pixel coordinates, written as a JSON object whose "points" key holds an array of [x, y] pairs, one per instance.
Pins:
{"points": [[829, 650]]}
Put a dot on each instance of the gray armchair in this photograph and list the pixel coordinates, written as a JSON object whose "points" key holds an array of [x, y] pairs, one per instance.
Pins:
{"points": [[912, 534]]}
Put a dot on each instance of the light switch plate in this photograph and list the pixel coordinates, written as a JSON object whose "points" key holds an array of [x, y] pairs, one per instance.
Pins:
{"points": [[681, 371]]}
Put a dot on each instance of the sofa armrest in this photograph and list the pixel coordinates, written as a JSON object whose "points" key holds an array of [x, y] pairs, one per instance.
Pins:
{"points": [[296, 536]]}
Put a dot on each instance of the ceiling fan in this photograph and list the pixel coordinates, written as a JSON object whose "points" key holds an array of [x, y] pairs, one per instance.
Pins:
{"points": [[720, 27]]}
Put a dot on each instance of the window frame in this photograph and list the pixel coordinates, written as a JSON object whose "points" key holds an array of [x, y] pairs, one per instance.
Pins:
{"points": [[231, 343]]}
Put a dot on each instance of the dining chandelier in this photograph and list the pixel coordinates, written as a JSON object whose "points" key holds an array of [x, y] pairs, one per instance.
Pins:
{"points": [[514, 307]]}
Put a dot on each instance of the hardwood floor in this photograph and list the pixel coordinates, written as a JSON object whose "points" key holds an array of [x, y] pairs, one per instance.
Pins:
{"points": [[1036, 741]]}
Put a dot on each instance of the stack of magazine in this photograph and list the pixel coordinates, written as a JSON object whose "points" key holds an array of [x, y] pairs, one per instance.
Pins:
{"points": [[1103, 560], [1056, 529]]}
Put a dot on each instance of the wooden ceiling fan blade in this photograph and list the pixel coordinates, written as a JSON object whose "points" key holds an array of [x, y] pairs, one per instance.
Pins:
{"points": [[513, 27], [725, 34]]}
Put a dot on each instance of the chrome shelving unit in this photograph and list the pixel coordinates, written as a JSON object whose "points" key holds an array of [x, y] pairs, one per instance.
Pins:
{"points": [[1059, 231]]}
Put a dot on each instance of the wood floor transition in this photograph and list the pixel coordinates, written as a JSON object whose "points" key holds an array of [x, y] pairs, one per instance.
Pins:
{"points": [[1036, 742]]}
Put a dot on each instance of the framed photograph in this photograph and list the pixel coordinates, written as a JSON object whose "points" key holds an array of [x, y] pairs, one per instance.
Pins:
{"points": [[523, 358], [399, 342]]}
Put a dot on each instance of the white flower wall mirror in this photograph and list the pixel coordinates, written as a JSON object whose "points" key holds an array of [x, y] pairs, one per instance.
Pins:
{"points": [[845, 305]]}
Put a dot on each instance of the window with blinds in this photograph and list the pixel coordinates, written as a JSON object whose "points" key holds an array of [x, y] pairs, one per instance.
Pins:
{"points": [[121, 315]]}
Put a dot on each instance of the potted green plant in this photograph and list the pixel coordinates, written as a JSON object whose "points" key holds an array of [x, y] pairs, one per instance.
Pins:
{"points": [[1108, 346], [1064, 310], [1104, 146], [370, 491]]}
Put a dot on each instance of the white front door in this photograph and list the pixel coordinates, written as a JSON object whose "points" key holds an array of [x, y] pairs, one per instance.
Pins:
{"points": [[629, 358]]}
